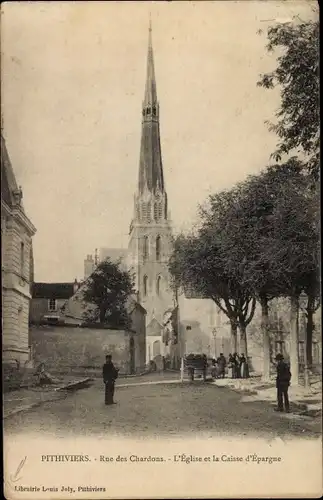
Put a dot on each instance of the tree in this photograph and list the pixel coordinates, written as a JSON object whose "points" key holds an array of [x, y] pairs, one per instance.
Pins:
{"points": [[297, 75], [211, 264], [294, 250], [107, 291], [279, 242]]}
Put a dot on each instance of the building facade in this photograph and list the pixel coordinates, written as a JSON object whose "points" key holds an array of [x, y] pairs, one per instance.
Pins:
{"points": [[17, 266], [48, 300]]}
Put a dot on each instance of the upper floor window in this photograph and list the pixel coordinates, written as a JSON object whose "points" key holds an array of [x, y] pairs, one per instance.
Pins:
{"points": [[145, 247], [22, 258], [145, 285], [52, 305], [158, 247], [148, 111], [154, 110]]}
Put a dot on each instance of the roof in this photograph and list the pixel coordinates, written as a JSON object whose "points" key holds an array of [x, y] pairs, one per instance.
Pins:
{"points": [[8, 180], [52, 290], [154, 329], [151, 175]]}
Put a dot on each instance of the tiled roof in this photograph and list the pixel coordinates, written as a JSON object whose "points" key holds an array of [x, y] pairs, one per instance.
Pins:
{"points": [[52, 290]]}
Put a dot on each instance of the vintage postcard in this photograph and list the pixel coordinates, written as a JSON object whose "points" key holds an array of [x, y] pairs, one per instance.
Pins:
{"points": [[160, 229]]}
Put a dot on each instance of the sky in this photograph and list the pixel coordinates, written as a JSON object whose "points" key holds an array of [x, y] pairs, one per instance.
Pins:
{"points": [[73, 76]]}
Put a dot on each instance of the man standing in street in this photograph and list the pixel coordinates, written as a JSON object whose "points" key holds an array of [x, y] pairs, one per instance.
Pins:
{"points": [[222, 364], [282, 383], [110, 374]]}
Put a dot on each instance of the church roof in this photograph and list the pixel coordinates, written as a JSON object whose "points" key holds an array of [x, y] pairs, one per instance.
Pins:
{"points": [[151, 175], [154, 329]]}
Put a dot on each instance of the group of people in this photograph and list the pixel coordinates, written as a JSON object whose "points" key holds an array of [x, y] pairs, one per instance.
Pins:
{"points": [[237, 366]]}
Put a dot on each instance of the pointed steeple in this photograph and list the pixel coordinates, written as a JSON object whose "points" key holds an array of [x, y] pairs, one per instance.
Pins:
{"points": [[150, 89], [150, 168]]}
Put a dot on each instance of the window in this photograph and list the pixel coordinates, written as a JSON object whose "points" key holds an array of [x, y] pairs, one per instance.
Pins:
{"points": [[146, 211], [145, 248], [158, 282], [154, 110], [52, 305], [148, 111], [158, 211], [145, 285], [22, 258], [158, 248]]}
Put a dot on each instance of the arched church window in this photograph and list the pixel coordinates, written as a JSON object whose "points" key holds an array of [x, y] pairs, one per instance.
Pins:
{"points": [[158, 247], [154, 110], [145, 285], [143, 112], [148, 111], [145, 247], [158, 283]]}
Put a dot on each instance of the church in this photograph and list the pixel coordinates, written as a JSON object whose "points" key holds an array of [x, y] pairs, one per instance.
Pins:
{"points": [[177, 323], [150, 235]]}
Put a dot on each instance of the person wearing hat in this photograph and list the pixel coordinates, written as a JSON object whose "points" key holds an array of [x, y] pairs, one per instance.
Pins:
{"points": [[282, 383], [110, 374]]}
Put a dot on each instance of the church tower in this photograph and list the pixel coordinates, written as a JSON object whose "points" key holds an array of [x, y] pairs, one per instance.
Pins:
{"points": [[150, 231]]}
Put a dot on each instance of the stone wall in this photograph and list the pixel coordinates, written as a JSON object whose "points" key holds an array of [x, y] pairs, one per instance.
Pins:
{"points": [[80, 350]]}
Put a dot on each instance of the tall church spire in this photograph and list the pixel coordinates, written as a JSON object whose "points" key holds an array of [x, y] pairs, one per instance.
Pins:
{"points": [[151, 175], [150, 90], [150, 235]]}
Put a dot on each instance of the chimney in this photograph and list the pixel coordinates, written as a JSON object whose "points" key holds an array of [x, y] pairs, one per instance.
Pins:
{"points": [[88, 266]]}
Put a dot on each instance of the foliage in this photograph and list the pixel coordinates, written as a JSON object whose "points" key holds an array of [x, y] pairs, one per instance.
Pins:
{"points": [[297, 75], [280, 240], [259, 240], [210, 262], [107, 290]]}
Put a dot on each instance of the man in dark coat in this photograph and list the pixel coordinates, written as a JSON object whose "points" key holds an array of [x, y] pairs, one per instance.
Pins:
{"points": [[222, 364], [110, 374], [282, 383]]}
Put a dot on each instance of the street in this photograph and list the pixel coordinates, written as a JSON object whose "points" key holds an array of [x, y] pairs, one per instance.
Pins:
{"points": [[160, 410]]}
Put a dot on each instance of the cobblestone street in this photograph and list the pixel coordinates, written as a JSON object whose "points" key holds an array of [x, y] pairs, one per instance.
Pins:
{"points": [[161, 409]]}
